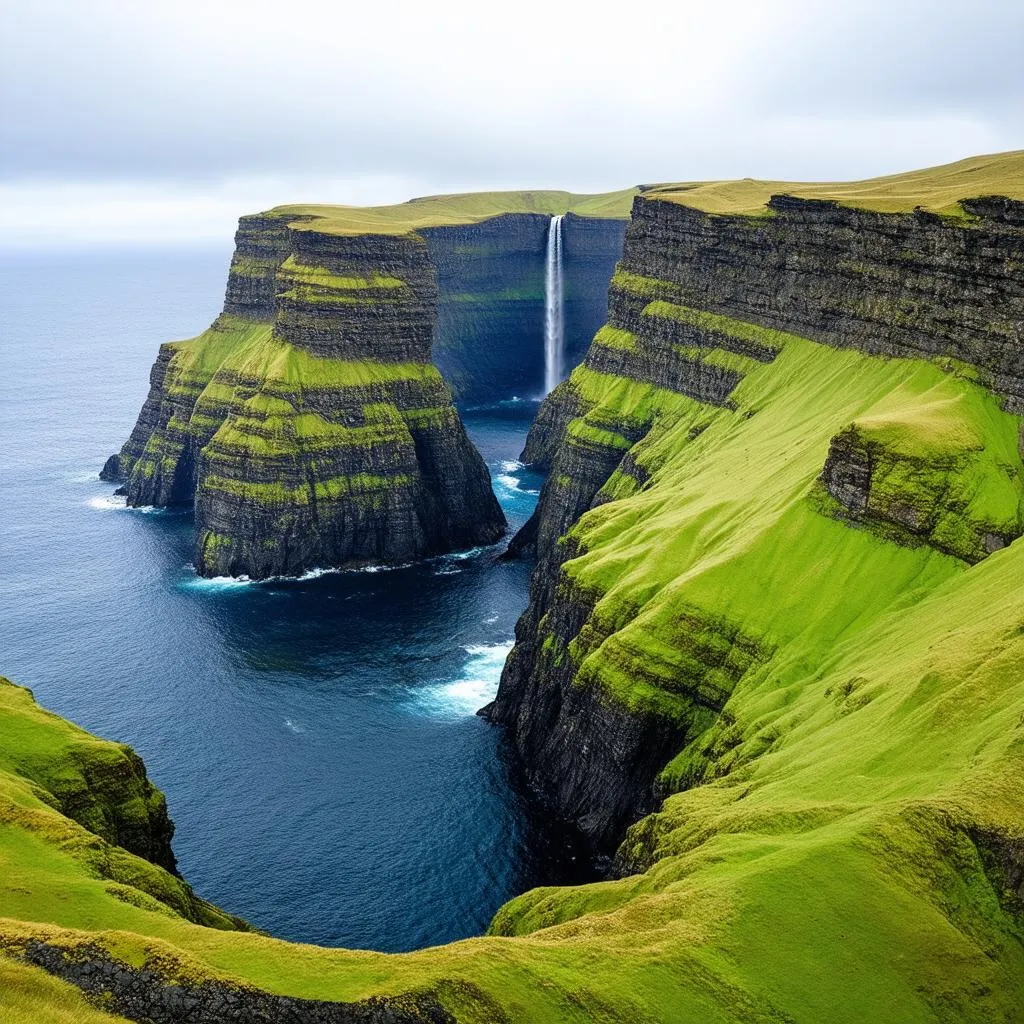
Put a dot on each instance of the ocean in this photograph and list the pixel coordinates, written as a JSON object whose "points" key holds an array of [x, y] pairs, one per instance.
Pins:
{"points": [[316, 739]]}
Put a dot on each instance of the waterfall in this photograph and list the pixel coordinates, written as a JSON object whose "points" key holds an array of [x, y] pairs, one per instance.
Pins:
{"points": [[554, 317]]}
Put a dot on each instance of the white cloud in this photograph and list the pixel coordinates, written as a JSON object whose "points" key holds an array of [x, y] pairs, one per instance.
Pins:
{"points": [[135, 121]]}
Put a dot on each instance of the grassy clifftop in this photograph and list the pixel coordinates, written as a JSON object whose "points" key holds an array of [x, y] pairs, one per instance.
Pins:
{"points": [[938, 189], [449, 210], [845, 853]]}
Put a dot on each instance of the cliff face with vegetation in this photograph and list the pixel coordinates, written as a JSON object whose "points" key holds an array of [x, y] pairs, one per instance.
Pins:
{"points": [[324, 438], [707, 315], [777, 603]]}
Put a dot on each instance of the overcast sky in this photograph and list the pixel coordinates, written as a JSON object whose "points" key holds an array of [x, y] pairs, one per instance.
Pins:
{"points": [[133, 120]]}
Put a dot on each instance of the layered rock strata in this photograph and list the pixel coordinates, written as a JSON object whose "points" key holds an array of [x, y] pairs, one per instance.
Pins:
{"points": [[897, 284], [324, 438], [697, 304]]}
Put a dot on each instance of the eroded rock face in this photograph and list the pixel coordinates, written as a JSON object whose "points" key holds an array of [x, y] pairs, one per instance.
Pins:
{"points": [[324, 439], [591, 760], [261, 245], [696, 301], [903, 284]]}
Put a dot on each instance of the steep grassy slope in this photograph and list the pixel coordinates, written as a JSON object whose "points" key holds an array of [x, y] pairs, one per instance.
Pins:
{"points": [[69, 796], [778, 603], [852, 859]]}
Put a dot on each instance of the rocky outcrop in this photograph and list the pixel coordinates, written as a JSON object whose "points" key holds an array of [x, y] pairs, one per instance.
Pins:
{"points": [[490, 276], [697, 302], [148, 995], [309, 426], [326, 438], [590, 758], [913, 495]]}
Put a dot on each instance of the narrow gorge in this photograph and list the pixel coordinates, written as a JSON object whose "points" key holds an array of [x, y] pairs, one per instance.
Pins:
{"points": [[772, 666]]}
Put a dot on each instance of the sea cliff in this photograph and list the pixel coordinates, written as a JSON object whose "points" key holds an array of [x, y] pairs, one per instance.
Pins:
{"points": [[491, 308], [325, 438], [707, 315], [309, 425], [777, 603]]}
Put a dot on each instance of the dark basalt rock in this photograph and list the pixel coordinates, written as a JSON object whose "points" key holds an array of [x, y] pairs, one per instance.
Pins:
{"points": [[406, 483], [571, 741], [898, 284], [847, 472], [147, 995], [262, 244]]}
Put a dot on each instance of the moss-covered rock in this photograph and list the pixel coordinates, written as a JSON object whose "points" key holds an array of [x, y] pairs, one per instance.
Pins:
{"points": [[324, 439]]}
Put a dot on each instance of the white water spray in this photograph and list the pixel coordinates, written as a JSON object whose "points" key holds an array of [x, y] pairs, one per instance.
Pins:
{"points": [[554, 317]]}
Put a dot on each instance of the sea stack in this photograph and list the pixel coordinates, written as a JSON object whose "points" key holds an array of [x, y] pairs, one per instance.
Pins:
{"points": [[308, 424]]}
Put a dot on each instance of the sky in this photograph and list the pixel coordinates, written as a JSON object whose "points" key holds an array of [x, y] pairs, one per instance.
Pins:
{"points": [[125, 121]]}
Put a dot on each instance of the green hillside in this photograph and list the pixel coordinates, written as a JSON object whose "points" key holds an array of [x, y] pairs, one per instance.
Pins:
{"points": [[830, 863]]}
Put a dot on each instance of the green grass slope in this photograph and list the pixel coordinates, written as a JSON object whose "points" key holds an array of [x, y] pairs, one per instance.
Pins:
{"points": [[28, 995], [844, 843]]}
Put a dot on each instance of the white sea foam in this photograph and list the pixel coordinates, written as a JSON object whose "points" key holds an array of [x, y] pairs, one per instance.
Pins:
{"points": [[366, 568], [512, 485], [212, 584], [474, 687], [118, 503], [292, 727], [491, 620], [310, 574], [461, 556], [107, 502]]}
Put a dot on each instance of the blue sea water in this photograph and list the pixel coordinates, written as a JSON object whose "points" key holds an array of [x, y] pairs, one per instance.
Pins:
{"points": [[316, 739]]}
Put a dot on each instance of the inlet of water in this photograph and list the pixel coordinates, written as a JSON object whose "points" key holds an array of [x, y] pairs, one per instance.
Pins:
{"points": [[554, 316]]}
